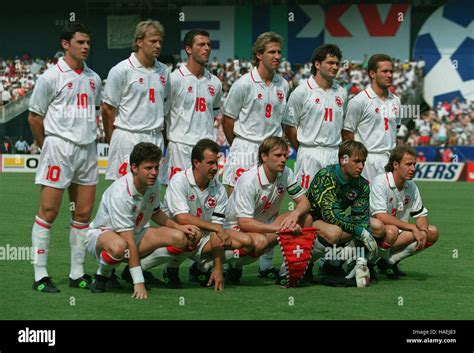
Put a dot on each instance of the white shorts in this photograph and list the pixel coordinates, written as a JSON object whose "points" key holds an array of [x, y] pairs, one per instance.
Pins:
{"points": [[203, 260], [63, 163], [93, 235], [310, 160], [242, 156], [375, 165], [122, 145], [178, 158]]}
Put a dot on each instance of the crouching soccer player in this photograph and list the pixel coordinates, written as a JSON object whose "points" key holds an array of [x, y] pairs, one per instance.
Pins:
{"points": [[333, 190], [255, 202], [194, 196], [122, 227], [394, 197]]}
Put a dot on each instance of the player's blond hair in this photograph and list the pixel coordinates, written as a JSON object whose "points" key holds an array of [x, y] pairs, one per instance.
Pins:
{"points": [[262, 40], [269, 144], [397, 155], [143, 26]]}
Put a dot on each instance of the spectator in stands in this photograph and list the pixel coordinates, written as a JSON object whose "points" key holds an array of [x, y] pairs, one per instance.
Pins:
{"points": [[34, 148], [21, 146], [6, 145], [420, 158]]}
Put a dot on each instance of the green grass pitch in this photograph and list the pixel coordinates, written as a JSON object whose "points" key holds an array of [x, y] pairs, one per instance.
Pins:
{"points": [[439, 284]]}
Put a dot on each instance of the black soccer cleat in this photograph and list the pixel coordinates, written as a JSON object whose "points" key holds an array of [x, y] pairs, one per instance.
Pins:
{"points": [[83, 282], [326, 269], [98, 284], [45, 285], [271, 273], [233, 275], [373, 273], [196, 274], [281, 280], [308, 275], [171, 278], [113, 281], [391, 271], [150, 280]]}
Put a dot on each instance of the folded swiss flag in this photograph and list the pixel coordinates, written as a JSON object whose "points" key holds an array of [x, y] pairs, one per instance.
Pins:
{"points": [[296, 250]]}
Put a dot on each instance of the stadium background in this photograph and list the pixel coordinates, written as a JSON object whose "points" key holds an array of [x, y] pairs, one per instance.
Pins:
{"points": [[439, 285]]}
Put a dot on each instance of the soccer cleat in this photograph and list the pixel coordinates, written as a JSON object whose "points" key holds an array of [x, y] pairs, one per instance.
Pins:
{"points": [[325, 268], [233, 275], [373, 273], [82, 282], [281, 280], [196, 275], [45, 285], [391, 271], [98, 284], [171, 278], [113, 282], [308, 275], [270, 273], [338, 281], [150, 280]]}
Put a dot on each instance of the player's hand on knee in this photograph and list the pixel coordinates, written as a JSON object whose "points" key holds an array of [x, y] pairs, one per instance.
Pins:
{"points": [[370, 244], [218, 279], [420, 237], [139, 291]]}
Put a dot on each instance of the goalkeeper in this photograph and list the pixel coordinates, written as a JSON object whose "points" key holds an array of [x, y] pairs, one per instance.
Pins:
{"points": [[333, 190]]}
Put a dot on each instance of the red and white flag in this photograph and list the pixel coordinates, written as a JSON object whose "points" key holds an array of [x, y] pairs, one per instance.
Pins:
{"points": [[296, 251]]}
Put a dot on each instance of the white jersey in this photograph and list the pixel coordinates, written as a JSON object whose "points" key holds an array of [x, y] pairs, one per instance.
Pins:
{"points": [[184, 196], [257, 108], [122, 208], [385, 198], [138, 93], [194, 104], [317, 114], [254, 196], [67, 101], [374, 121]]}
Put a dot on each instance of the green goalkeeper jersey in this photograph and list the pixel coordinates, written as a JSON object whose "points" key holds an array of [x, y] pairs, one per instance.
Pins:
{"points": [[331, 193]]}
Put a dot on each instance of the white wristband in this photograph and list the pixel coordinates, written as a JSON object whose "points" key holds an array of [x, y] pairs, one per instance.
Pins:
{"points": [[137, 275]]}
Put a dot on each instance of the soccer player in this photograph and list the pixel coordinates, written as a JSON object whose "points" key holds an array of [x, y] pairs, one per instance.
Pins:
{"points": [[255, 202], [195, 196], [373, 116], [63, 121], [134, 98], [394, 198], [314, 115], [254, 108], [195, 100], [121, 225], [333, 190]]}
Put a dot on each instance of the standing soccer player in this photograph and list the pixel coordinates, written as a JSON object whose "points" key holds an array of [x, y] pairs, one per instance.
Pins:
{"points": [[134, 98], [394, 198], [195, 100], [122, 222], [63, 111], [373, 116], [314, 115]]}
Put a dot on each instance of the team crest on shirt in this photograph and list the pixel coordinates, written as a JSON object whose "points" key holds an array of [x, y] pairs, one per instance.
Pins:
{"points": [[141, 80], [390, 200], [259, 96], [212, 90], [190, 89], [264, 199], [162, 80], [377, 110], [351, 195], [280, 189], [280, 95], [317, 100], [69, 85], [192, 197], [211, 202], [92, 84], [406, 200], [339, 101], [395, 110], [152, 198]]}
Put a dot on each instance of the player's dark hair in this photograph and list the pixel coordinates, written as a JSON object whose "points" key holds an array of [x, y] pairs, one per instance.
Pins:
{"points": [[374, 61], [145, 152], [351, 148], [321, 52], [397, 155], [71, 28], [268, 144], [189, 36], [200, 147]]}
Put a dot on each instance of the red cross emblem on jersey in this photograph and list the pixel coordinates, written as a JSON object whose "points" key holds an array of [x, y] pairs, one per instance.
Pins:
{"points": [[162, 80], [212, 90], [192, 197], [339, 101], [395, 110], [317, 100], [280, 189], [259, 96], [69, 85], [190, 89], [211, 202], [280, 95], [92, 84], [141, 80], [406, 200], [376, 110]]}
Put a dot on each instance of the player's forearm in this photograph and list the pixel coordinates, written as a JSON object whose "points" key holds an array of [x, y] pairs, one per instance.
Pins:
{"points": [[163, 220], [302, 207], [228, 127], [108, 119], [187, 218], [347, 135], [422, 223], [250, 225], [292, 135], [37, 128], [388, 219], [217, 252]]}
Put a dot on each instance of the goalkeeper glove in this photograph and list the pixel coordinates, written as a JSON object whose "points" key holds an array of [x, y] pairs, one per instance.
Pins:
{"points": [[370, 244]]}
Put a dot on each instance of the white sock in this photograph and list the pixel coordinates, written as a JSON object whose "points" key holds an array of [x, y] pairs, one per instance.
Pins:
{"points": [[404, 253], [40, 236], [158, 257], [107, 263], [266, 260], [318, 250], [77, 237]]}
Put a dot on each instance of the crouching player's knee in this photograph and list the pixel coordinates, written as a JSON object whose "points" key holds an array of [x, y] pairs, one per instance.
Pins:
{"points": [[117, 248], [433, 235]]}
